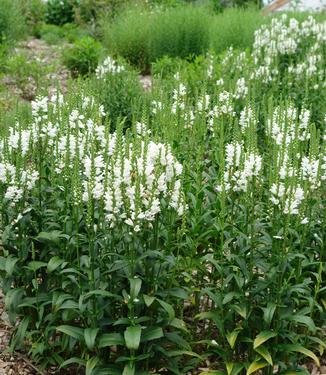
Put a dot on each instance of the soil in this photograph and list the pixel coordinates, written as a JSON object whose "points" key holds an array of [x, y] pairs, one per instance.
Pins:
{"points": [[53, 74], [50, 74]]}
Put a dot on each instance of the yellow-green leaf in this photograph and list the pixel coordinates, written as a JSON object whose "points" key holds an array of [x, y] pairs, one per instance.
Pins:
{"points": [[232, 337], [265, 354], [229, 367], [254, 366], [262, 337], [323, 301], [241, 310], [301, 349]]}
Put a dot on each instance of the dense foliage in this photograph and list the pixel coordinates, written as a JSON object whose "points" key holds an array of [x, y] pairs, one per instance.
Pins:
{"points": [[83, 57], [59, 12], [12, 23], [179, 228]]}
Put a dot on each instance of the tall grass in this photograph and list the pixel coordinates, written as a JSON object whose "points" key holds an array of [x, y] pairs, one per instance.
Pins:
{"points": [[234, 27], [12, 25], [181, 32], [129, 35], [142, 36]]}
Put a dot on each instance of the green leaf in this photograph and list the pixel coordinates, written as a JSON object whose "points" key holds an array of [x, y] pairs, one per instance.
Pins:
{"points": [[177, 353], [54, 263], [129, 369], [20, 334], [177, 292], [35, 265], [300, 349], [295, 372], [233, 368], [68, 305], [323, 301], [90, 337], [265, 354], [75, 332], [178, 340], [232, 337], [132, 337], [91, 364], [10, 265], [303, 319], [237, 368], [269, 312], [135, 286], [213, 372], [229, 297], [254, 366], [179, 324], [168, 308], [152, 333], [72, 360], [111, 339], [262, 337], [54, 236], [148, 299]]}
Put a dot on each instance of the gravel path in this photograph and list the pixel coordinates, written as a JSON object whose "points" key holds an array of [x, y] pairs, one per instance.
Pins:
{"points": [[40, 68]]}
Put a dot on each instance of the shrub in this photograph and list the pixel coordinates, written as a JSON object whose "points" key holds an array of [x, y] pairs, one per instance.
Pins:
{"points": [[52, 34], [89, 11], [167, 66], [59, 12], [25, 74], [34, 13], [82, 58], [12, 23], [73, 32]]}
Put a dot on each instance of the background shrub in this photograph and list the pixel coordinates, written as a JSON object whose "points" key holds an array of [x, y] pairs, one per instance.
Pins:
{"points": [[59, 12], [52, 34], [82, 58], [34, 13], [73, 32], [12, 23]]}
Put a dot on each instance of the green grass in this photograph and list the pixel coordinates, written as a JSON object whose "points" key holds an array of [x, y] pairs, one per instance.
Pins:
{"points": [[235, 27], [12, 23], [142, 37]]}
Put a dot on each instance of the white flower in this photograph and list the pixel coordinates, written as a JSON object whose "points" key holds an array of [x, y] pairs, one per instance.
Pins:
{"points": [[304, 221], [108, 66]]}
